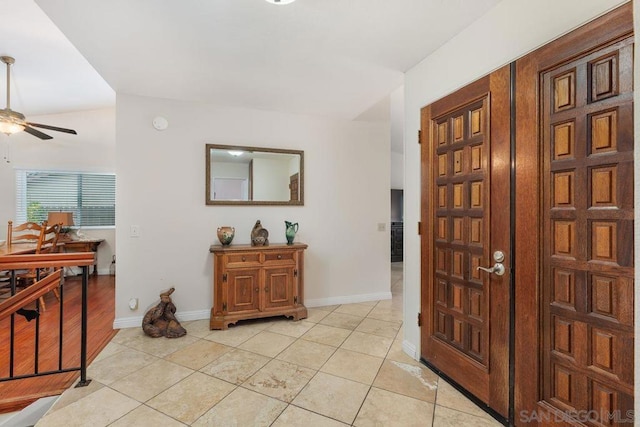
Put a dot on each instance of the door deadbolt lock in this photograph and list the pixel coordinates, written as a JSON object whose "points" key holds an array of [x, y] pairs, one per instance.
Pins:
{"points": [[498, 256]]}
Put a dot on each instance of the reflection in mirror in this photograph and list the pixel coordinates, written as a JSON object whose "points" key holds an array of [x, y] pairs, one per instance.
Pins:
{"points": [[254, 176]]}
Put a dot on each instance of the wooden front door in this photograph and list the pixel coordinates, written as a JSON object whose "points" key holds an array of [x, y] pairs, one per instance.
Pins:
{"points": [[576, 363], [466, 223], [570, 303]]}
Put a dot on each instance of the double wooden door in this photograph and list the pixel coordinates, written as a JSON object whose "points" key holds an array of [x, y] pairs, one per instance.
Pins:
{"points": [[527, 268]]}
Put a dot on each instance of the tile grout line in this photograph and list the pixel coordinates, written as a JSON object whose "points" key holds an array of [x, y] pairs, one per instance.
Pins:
{"points": [[275, 357]]}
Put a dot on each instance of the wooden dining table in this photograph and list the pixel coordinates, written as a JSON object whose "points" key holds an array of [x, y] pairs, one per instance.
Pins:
{"points": [[18, 249], [86, 245], [24, 248]]}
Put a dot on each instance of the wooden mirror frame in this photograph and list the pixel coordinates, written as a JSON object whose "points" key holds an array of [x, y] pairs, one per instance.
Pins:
{"points": [[208, 189]]}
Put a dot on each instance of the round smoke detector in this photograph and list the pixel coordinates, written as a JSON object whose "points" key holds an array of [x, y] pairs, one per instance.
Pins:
{"points": [[160, 123]]}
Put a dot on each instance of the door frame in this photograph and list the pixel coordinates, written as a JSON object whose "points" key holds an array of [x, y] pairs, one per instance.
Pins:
{"points": [[615, 25]]}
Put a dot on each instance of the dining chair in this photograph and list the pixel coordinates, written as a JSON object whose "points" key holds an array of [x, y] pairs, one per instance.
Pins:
{"points": [[46, 239], [28, 232], [50, 245], [47, 243]]}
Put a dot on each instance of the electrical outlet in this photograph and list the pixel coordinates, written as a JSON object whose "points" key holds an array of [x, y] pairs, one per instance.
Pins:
{"points": [[134, 231], [133, 303], [382, 226]]}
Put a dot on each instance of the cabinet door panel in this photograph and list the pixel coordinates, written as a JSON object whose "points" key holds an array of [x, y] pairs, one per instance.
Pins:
{"points": [[279, 287], [243, 290]]}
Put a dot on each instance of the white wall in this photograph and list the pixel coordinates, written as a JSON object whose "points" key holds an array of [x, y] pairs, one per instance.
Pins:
{"points": [[230, 170], [509, 30], [396, 105], [271, 179], [92, 150], [231, 178], [161, 188]]}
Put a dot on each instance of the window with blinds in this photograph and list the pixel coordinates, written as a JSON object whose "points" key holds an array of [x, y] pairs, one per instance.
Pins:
{"points": [[90, 196]]}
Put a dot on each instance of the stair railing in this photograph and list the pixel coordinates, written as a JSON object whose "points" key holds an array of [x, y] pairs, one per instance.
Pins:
{"points": [[17, 302]]}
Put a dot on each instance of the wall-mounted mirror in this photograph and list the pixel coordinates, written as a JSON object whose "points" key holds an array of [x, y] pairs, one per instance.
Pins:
{"points": [[254, 176]]}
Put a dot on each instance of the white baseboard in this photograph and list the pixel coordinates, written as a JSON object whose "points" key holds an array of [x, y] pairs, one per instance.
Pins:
{"points": [[127, 322], [348, 299], [187, 316], [410, 350], [136, 321]]}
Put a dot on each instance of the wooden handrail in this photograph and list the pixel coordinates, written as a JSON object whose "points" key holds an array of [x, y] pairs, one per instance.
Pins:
{"points": [[30, 261], [41, 287], [30, 294]]}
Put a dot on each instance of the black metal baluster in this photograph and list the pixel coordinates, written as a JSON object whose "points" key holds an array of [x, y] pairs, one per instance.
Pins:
{"points": [[83, 337], [37, 337], [61, 340], [13, 321]]}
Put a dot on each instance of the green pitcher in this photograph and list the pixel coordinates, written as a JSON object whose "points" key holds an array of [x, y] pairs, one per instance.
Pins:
{"points": [[290, 232]]}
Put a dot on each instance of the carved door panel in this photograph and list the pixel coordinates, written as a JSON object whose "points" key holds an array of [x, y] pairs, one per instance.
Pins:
{"points": [[242, 290], [466, 222], [587, 223], [279, 287]]}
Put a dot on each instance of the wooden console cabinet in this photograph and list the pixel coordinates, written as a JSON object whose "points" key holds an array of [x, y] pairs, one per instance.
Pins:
{"points": [[250, 282]]}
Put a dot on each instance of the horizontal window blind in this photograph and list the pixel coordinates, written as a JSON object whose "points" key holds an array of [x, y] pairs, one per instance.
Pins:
{"points": [[90, 196]]}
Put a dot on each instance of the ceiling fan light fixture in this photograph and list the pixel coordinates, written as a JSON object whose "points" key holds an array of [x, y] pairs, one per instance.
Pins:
{"points": [[9, 128], [280, 2], [11, 121]]}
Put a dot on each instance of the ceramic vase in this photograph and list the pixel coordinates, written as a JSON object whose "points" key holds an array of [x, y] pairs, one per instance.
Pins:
{"points": [[225, 235], [290, 232]]}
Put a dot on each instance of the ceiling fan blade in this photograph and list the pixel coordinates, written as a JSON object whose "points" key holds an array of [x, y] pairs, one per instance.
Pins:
{"points": [[38, 125], [37, 133]]}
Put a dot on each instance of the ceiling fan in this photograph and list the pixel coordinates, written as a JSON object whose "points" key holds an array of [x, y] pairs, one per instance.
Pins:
{"points": [[14, 122]]}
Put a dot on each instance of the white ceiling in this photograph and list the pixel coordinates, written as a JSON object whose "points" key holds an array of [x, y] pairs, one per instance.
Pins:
{"points": [[338, 58]]}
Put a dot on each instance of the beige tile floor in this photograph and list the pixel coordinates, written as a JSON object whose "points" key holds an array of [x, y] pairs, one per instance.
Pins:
{"points": [[343, 365]]}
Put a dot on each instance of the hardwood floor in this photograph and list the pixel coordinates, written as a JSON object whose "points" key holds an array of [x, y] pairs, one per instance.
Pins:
{"points": [[16, 394]]}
